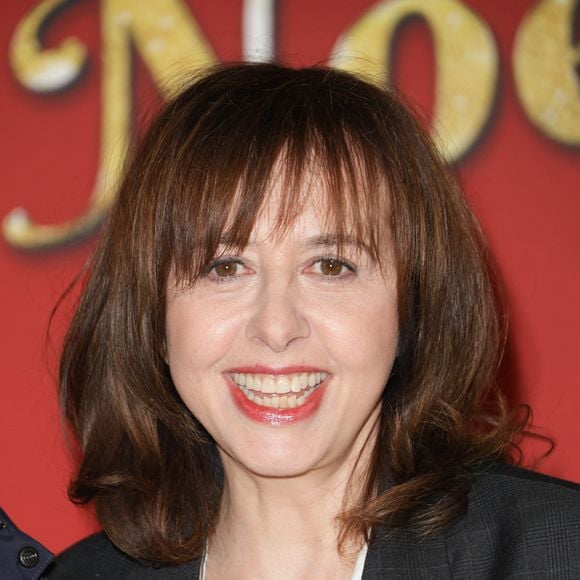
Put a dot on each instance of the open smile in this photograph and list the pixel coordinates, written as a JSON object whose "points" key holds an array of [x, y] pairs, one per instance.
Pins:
{"points": [[277, 396], [285, 391]]}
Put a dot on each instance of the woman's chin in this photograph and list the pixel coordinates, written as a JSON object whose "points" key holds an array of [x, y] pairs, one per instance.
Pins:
{"points": [[278, 462]]}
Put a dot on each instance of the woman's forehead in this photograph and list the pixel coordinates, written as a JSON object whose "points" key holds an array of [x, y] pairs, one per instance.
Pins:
{"points": [[337, 201], [312, 223], [317, 204], [309, 225]]}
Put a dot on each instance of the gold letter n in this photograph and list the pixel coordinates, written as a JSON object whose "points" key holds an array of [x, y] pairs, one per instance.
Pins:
{"points": [[169, 41]]}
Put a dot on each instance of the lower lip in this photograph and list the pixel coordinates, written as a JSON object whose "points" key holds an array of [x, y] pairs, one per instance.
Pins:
{"points": [[277, 416]]}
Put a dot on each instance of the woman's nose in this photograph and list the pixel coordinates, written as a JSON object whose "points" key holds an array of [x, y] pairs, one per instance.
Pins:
{"points": [[278, 318]]}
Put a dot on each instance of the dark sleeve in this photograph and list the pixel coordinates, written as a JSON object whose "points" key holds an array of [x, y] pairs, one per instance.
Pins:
{"points": [[519, 524], [21, 557], [96, 558]]}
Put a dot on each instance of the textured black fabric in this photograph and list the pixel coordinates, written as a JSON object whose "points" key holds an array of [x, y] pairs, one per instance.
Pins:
{"points": [[96, 558], [519, 524]]}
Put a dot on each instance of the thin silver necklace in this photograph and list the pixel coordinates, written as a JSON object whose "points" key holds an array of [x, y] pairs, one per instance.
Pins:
{"points": [[203, 563]]}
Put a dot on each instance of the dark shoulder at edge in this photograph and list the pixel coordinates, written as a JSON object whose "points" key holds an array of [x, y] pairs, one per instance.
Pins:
{"points": [[525, 476], [91, 558], [505, 489], [511, 502]]}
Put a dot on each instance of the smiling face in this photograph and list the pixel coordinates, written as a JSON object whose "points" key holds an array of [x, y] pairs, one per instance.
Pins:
{"points": [[282, 350]]}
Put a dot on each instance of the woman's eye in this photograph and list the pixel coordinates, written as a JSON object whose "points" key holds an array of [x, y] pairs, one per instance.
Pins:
{"points": [[332, 267], [223, 269]]}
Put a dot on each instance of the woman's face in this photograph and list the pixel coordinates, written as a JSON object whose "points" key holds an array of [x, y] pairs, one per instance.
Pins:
{"points": [[282, 350]]}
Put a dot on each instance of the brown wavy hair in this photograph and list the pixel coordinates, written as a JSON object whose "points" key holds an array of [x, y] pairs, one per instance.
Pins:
{"points": [[204, 170]]}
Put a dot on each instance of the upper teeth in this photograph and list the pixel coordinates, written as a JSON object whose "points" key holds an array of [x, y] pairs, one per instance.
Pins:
{"points": [[291, 383]]}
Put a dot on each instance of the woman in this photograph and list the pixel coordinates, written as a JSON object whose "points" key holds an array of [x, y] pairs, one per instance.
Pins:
{"points": [[281, 363]]}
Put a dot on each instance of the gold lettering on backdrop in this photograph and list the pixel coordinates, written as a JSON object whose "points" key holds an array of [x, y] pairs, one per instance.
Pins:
{"points": [[169, 41], [467, 63], [546, 68], [44, 70]]}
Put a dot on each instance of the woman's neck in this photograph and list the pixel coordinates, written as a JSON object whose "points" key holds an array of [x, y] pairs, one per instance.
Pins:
{"points": [[282, 528]]}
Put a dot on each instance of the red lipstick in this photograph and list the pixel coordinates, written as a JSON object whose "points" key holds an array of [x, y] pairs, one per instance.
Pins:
{"points": [[271, 416]]}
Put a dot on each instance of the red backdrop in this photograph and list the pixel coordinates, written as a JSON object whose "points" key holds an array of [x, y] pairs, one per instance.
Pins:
{"points": [[520, 172]]}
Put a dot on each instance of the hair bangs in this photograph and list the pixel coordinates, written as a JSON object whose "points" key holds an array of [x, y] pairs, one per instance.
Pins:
{"points": [[235, 157]]}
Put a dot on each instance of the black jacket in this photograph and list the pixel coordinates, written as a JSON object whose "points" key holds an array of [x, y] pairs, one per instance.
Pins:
{"points": [[21, 557], [519, 524]]}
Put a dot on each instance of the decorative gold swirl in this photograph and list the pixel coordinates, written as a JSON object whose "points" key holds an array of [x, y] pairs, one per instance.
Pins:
{"points": [[169, 41], [467, 63], [546, 69]]}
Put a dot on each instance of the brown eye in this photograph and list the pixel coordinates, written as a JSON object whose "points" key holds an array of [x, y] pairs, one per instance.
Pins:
{"points": [[330, 267], [225, 269]]}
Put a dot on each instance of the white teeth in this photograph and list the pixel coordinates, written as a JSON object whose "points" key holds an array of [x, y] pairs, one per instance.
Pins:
{"points": [[280, 390], [282, 384], [268, 385], [295, 384]]}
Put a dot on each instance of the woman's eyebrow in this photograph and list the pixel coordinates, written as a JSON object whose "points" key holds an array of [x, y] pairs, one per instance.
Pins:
{"points": [[313, 242], [334, 240]]}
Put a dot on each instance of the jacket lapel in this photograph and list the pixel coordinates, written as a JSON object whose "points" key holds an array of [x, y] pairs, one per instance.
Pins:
{"points": [[405, 555], [188, 571]]}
